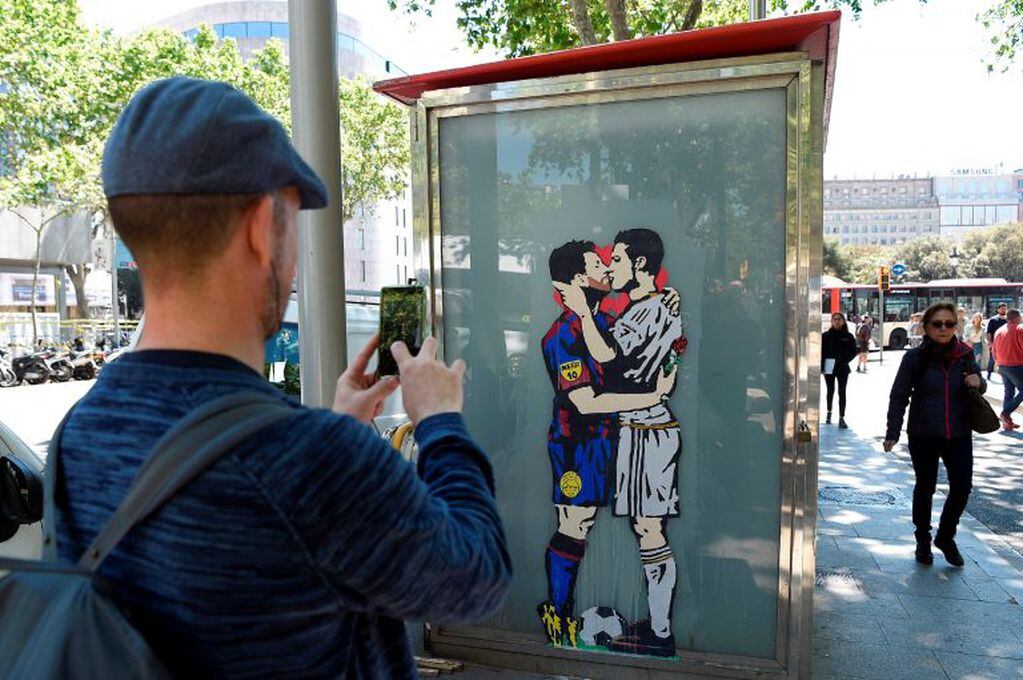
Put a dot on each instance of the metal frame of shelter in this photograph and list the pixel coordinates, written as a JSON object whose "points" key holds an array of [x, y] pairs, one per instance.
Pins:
{"points": [[796, 54]]}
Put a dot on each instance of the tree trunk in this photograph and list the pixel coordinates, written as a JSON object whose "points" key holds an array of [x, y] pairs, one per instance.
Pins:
{"points": [[692, 14], [78, 273], [581, 21], [35, 283], [619, 19]]}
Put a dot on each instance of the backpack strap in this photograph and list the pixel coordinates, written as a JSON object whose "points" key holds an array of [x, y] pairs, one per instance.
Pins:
{"points": [[200, 439], [51, 476]]}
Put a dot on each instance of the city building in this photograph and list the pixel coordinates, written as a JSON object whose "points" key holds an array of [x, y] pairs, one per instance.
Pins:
{"points": [[879, 211], [252, 22], [973, 199], [378, 248]]}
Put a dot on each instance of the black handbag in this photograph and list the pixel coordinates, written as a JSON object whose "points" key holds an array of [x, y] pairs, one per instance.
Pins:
{"points": [[983, 418]]}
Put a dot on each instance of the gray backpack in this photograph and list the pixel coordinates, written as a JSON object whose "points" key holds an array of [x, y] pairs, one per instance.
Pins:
{"points": [[57, 620]]}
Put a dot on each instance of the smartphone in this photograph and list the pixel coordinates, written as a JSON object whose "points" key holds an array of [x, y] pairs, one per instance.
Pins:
{"points": [[402, 317]]}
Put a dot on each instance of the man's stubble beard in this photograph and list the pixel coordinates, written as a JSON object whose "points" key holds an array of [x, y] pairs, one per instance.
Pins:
{"points": [[275, 304]]}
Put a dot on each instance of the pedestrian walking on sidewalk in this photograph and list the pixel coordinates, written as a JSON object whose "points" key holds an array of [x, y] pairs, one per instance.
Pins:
{"points": [[838, 350], [975, 336], [993, 324], [935, 377], [916, 329], [1008, 346], [863, 333], [962, 324]]}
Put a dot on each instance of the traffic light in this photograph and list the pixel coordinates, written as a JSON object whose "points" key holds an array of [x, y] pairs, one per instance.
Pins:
{"points": [[884, 278]]}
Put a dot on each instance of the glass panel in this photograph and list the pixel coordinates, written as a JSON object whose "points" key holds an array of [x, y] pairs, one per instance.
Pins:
{"points": [[219, 29], [234, 30], [971, 301], [706, 174], [995, 298], [950, 216], [191, 33], [898, 307], [866, 302], [259, 29], [345, 42], [279, 30]]}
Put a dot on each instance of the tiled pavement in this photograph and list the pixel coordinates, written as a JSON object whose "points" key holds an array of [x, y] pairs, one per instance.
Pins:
{"points": [[880, 615]]}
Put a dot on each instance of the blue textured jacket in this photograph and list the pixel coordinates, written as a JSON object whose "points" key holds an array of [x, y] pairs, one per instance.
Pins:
{"points": [[938, 389], [296, 555]]}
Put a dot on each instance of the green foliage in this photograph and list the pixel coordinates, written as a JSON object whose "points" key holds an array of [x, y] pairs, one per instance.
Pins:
{"points": [[1004, 22], [292, 379], [926, 258], [996, 252], [375, 151], [837, 259], [522, 27]]}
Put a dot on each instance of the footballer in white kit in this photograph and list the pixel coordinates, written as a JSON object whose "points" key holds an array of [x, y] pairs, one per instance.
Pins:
{"points": [[645, 340]]}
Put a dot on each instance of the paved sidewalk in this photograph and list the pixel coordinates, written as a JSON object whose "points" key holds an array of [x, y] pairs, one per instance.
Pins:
{"points": [[879, 614]]}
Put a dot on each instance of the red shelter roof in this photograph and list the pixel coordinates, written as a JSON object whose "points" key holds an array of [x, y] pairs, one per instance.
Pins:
{"points": [[816, 33]]}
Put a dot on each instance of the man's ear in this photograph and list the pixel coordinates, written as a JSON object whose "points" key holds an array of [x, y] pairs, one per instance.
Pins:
{"points": [[258, 226], [579, 280], [640, 263]]}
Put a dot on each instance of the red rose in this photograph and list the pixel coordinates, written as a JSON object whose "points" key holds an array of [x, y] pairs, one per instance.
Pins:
{"points": [[680, 345]]}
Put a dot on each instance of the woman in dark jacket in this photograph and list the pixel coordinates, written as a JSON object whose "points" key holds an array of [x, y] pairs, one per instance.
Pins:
{"points": [[838, 348], [936, 375]]}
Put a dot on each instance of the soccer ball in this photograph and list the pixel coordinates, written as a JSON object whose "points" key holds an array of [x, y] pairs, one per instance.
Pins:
{"points": [[600, 625]]}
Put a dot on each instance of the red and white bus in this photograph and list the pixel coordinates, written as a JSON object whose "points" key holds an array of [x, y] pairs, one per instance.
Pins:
{"points": [[854, 299]]}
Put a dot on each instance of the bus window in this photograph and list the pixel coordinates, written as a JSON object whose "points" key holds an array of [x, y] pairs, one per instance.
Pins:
{"points": [[943, 295], [972, 303], [923, 300], [995, 299], [898, 307], [866, 302]]}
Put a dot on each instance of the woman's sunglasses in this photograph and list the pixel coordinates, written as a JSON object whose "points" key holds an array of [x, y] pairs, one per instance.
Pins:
{"points": [[946, 324]]}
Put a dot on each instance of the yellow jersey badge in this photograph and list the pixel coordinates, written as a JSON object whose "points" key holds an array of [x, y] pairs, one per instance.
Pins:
{"points": [[571, 370]]}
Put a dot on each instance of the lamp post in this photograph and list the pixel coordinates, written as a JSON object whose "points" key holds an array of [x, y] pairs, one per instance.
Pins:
{"points": [[953, 259]]}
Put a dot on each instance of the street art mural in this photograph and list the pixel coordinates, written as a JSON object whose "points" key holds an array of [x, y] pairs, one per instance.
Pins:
{"points": [[613, 441]]}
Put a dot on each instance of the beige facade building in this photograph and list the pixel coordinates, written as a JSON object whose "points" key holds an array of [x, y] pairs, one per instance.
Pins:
{"points": [[879, 211]]}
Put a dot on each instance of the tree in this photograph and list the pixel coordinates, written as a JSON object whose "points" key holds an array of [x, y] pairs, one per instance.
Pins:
{"points": [[375, 151], [1004, 21], [522, 27], [994, 252], [64, 85], [837, 259], [926, 257]]}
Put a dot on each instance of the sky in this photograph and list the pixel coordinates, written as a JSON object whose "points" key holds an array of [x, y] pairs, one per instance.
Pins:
{"points": [[912, 94]]}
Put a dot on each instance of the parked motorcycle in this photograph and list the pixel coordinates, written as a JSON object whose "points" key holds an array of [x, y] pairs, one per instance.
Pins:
{"points": [[83, 365], [31, 368], [7, 376], [59, 364]]}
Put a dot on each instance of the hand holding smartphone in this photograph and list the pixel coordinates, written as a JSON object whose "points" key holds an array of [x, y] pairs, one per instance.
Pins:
{"points": [[402, 318]]}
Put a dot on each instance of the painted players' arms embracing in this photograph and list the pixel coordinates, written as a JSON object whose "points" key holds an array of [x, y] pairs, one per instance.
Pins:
{"points": [[588, 402], [600, 349]]}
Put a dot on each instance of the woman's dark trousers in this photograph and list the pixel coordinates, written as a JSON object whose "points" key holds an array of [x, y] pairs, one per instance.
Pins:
{"points": [[957, 454], [829, 380]]}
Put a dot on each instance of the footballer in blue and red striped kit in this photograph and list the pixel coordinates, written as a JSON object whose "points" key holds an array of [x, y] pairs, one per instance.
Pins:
{"points": [[583, 435]]}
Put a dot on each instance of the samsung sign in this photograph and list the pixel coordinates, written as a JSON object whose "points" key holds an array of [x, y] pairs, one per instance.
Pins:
{"points": [[959, 172]]}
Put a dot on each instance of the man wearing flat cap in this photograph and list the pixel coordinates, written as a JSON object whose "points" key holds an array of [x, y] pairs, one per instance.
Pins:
{"points": [[299, 552]]}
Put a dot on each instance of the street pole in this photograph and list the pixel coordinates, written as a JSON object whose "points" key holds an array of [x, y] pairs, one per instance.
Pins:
{"points": [[316, 129], [880, 347], [757, 9], [115, 306]]}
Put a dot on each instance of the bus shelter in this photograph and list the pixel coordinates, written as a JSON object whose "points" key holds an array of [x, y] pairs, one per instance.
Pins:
{"points": [[624, 244]]}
